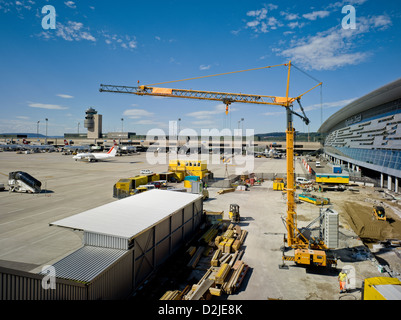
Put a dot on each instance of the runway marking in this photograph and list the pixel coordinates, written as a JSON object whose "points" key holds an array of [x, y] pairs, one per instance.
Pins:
{"points": [[4, 174]]}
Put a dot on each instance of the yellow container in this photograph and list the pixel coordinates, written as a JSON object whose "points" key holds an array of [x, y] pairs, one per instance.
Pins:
{"points": [[375, 288]]}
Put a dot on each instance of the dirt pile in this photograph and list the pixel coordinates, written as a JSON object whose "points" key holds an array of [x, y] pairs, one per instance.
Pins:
{"points": [[362, 220]]}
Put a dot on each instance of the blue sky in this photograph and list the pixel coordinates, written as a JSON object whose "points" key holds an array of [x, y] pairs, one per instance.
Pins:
{"points": [[56, 74]]}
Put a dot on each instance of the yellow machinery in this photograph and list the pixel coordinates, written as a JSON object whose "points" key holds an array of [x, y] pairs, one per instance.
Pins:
{"points": [[304, 247], [379, 213], [127, 187], [234, 213], [332, 178], [183, 168], [278, 184], [381, 288], [307, 197]]}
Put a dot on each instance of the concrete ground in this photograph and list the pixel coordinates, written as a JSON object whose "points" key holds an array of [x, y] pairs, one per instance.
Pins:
{"points": [[27, 242]]}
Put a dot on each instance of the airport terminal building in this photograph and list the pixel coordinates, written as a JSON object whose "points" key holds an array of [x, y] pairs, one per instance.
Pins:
{"points": [[365, 136]]}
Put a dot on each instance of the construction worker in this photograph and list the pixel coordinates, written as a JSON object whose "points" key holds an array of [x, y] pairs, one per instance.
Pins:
{"points": [[342, 279]]}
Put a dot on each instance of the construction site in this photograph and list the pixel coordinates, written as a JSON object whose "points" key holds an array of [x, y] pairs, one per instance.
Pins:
{"points": [[286, 230]]}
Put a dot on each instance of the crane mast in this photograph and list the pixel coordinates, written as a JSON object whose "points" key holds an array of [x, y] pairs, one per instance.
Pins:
{"points": [[295, 239]]}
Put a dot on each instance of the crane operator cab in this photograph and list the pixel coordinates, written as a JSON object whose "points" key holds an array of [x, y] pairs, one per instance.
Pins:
{"points": [[234, 213]]}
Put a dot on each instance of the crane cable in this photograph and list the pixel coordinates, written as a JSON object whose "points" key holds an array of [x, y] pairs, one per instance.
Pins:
{"points": [[216, 75]]}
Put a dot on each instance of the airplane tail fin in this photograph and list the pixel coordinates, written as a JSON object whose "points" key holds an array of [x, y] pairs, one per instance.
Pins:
{"points": [[24, 141], [65, 142], [113, 151]]}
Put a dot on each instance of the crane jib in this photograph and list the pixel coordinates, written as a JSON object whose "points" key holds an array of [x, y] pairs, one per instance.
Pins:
{"points": [[225, 97]]}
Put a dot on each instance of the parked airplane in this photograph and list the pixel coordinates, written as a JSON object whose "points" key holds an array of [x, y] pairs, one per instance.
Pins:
{"points": [[42, 147], [268, 153], [96, 156], [128, 149], [13, 146], [67, 146]]}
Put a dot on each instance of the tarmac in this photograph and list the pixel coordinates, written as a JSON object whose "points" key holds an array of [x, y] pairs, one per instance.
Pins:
{"points": [[27, 242]]}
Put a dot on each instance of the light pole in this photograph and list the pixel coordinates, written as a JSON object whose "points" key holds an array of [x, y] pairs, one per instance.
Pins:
{"points": [[78, 129], [46, 130], [37, 130], [122, 125]]}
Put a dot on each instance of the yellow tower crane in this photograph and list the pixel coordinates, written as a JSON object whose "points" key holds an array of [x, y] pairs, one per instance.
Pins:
{"points": [[307, 251]]}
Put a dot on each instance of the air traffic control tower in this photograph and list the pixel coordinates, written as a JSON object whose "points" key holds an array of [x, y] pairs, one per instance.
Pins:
{"points": [[93, 122]]}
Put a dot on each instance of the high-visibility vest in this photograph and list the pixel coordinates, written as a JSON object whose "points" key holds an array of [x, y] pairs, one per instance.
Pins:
{"points": [[342, 276]]}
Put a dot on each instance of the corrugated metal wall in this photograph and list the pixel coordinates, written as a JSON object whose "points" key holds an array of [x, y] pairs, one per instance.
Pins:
{"points": [[154, 246], [114, 283], [21, 285], [105, 241]]}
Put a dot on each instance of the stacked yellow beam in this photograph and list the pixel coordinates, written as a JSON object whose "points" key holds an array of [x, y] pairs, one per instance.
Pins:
{"points": [[209, 235], [228, 244], [215, 259], [191, 251], [171, 295], [195, 258], [222, 273], [222, 191], [236, 278]]}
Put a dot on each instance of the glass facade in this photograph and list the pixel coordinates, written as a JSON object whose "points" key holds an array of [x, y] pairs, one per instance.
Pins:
{"points": [[390, 159]]}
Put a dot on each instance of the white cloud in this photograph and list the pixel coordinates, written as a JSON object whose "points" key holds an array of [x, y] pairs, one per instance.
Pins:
{"points": [[325, 105], [274, 114], [328, 105], [208, 114], [333, 48], [381, 22], [123, 41], [204, 67], [289, 16], [73, 31], [65, 96], [261, 22], [137, 113], [70, 4], [46, 106], [316, 14], [296, 24], [70, 31], [203, 123], [152, 123], [19, 6], [342, 3]]}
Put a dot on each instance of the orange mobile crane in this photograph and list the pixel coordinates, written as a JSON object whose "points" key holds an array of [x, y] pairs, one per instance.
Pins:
{"points": [[307, 251]]}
